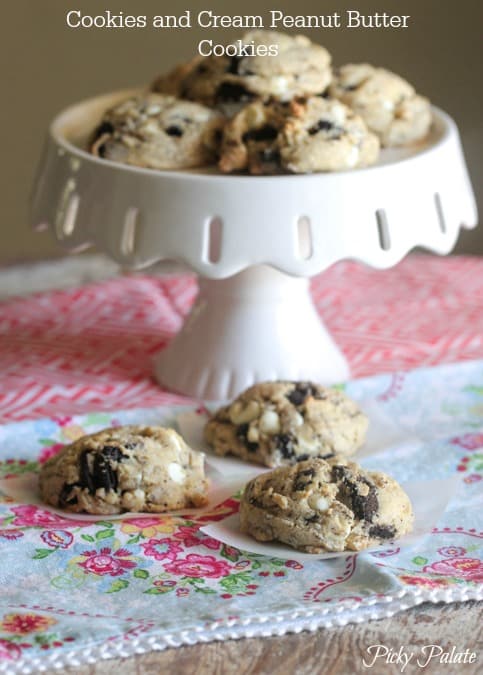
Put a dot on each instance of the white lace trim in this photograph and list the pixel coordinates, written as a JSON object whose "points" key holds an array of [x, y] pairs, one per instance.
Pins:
{"points": [[310, 619]]}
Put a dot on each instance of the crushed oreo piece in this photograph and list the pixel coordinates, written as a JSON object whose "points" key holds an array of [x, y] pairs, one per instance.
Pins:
{"points": [[101, 474], [382, 531], [322, 125], [64, 494], [85, 478], [363, 506], [302, 390], [114, 453], [102, 129], [228, 92], [233, 65], [102, 150], [300, 482], [284, 443], [270, 158], [265, 133], [173, 130], [241, 434]]}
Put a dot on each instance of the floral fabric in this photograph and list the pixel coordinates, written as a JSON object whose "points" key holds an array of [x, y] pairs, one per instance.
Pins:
{"points": [[70, 586]]}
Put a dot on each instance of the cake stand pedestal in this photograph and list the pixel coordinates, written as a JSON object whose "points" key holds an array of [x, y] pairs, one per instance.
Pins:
{"points": [[254, 242]]}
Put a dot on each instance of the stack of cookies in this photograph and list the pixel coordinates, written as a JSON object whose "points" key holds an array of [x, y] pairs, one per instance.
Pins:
{"points": [[287, 113]]}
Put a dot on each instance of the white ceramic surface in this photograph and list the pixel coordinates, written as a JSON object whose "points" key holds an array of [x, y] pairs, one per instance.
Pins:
{"points": [[260, 324]]}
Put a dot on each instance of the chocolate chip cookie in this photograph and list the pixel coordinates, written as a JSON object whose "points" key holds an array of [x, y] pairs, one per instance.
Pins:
{"points": [[325, 135], [388, 104], [128, 468], [317, 506], [303, 136], [277, 423], [158, 132]]}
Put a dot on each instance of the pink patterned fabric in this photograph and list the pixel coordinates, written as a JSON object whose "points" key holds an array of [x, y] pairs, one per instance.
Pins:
{"points": [[71, 351]]}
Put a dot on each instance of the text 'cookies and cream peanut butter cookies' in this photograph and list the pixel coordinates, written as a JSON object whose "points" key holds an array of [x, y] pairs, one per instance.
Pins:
{"points": [[300, 68], [388, 104], [317, 506], [158, 132], [277, 423], [130, 468]]}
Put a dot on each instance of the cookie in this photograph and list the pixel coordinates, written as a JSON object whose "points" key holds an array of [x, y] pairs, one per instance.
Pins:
{"points": [[250, 139], [158, 132], [388, 104], [325, 135], [129, 468], [304, 136], [277, 423], [317, 506], [300, 68]]}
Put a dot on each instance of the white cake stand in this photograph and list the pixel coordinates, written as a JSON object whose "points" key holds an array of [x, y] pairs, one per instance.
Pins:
{"points": [[254, 241]]}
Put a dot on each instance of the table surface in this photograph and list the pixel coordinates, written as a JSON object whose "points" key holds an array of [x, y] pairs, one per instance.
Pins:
{"points": [[328, 651]]}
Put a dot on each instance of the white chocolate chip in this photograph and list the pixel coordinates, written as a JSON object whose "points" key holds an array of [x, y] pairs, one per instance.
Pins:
{"points": [[318, 503], [176, 472], [298, 420], [279, 84], [175, 441], [270, 422], [240, 415]]}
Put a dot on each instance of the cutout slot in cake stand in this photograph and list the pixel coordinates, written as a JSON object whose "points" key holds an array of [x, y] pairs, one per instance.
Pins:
{"points": [[253, 240]]}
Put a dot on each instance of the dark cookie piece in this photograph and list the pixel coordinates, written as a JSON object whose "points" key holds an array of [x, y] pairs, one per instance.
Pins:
{"points": [[301, 392], [382, 532], [285, 444], [228, 92], [364, 507], [265, 133], [174, 131], [301, 482], [102, 474], [241, 434], [64, 497]]}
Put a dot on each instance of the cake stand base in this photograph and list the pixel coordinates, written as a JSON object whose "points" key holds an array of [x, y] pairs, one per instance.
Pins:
{"points": [[257, 325]]}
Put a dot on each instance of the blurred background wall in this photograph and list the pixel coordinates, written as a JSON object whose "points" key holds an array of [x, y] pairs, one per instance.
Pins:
{"points": [[44, 66]]}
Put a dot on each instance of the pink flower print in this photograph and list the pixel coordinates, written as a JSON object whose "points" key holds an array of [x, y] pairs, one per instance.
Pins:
{"points": [[9, 651], [294, 565], [62, 421], [105, 562], [11, 534], [451, 551], [206, 566], [57, 538], [50, 451], [32, 516], [423, 581], [23, 624], [190, 536], [469, 569], [469, 441], [161, 549], [473, 478], [182, 592]]}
